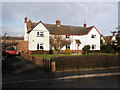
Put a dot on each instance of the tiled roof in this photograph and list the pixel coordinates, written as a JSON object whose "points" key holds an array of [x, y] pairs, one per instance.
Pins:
{"points": [[12, 38], [108, 38], [78, 41], [68, 30], [63, 29]]}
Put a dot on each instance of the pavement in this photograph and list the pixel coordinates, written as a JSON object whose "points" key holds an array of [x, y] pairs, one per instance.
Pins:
{"points": [[21, 70]]}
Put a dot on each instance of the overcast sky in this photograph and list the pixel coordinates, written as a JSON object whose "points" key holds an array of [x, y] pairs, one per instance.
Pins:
{"points": [[103, 15]]}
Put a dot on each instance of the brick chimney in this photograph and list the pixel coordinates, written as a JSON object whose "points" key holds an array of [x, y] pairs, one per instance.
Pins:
{"points": [[25, 20], [84, 25], [58, 22], [29, 25]]}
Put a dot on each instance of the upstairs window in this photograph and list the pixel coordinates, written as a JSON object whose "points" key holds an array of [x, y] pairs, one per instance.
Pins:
{"points": [[40, 34], [40, 47], [93, 46], [67, 36], [93, 36]]}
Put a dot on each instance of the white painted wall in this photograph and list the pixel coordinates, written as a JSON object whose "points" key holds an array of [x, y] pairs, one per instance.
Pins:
{"points": [[85, 40], [34, 40], [114, 38], [73, 45], [25, 32], [95, 40]]}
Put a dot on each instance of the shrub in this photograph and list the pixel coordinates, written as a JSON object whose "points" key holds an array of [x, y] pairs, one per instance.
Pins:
{"points": [[85, 49], [51, 51], [67, 51]]}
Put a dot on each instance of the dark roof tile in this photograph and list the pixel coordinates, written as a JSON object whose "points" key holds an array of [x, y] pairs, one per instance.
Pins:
{"points": [[12, 38], [64, 29]]}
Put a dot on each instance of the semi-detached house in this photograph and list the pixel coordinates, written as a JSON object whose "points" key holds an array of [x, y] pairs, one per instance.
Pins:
{"points": [[37, 36]]}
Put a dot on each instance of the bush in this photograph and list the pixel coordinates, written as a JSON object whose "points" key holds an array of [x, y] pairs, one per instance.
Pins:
{"points": [[67, 51], [51, 51], [85, 49], [109, 48]]}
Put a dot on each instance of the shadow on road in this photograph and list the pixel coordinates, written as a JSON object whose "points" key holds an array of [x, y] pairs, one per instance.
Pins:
{"points": [[16, 64]]}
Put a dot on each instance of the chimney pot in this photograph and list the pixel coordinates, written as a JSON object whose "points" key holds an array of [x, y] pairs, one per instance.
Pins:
{"points": [[58, 22], [84, 25]]}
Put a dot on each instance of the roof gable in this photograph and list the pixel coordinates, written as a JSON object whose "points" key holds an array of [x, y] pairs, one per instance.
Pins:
{"points": [[95, 29], [38, 26]]}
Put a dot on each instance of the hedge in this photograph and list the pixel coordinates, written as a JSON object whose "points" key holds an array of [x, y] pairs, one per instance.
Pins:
{"points": [[86, 61]]}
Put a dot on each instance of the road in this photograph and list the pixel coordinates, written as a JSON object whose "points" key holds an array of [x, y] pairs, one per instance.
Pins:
{"points": [[20, 73], [99, 82]]}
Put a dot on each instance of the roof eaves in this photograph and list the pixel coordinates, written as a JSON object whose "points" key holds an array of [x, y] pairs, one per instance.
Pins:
{"points": [[34, 27]]}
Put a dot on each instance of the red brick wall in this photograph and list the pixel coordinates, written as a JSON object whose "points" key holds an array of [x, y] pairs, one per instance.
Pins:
{"points": [[39, 61], [39, 52], [72, 51], [22, 46]]}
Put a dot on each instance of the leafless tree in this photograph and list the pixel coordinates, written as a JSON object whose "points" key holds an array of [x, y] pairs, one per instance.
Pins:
{"points": [[57, 42]]}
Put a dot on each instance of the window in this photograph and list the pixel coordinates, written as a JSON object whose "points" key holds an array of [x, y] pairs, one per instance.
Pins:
{"points": [[40, 47], [67, 36], [93, 46], [67, 46], [37, 33], [93, 36], [40, 34]]}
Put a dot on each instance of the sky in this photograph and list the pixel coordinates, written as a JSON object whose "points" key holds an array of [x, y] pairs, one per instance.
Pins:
{"points": [[103, 15]]}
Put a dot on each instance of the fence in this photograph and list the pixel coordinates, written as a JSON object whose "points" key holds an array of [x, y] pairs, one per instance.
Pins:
{"points": [[75, 62], [45, 63]]}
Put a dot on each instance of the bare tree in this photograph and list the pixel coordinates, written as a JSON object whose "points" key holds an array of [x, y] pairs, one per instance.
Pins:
{"points": [[57, 42], [5, 34]]}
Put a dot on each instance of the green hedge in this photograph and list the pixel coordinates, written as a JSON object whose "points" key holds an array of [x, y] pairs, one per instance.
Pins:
{"points": [[80, 62]]}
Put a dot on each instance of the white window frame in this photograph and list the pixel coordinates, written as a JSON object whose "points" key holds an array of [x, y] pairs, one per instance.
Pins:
{"points": [[40, 34], [93, 36], [67, 46], [67, 36], [93, 46], [39, 45]]}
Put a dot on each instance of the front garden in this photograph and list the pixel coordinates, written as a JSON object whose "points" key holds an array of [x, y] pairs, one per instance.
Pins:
{"points": [[47, 56]]}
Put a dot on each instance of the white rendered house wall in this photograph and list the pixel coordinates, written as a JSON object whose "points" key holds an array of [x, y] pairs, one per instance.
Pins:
{"points": [[25, 32], [94, 41], [85, 40], [73, 46], [34, 39]]}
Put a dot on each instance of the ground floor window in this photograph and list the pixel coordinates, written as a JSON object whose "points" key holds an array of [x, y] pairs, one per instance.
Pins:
{"points": [[93, 46], [40, 47], [67, 46]]}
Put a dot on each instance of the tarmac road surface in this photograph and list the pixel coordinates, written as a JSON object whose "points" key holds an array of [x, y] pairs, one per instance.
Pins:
{"points": [[20, 73]]}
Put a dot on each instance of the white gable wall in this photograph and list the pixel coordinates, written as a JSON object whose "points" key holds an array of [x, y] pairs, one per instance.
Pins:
{"points": [[113, 38], [85, 40], [73, 45], [94, 41], [34, 39]]}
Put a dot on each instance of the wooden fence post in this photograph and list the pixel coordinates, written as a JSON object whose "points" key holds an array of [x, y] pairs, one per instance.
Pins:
{"points": [[53, 66]]}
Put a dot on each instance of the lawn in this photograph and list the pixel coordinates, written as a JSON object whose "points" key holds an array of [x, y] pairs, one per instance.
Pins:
{"points": [[47, 56], [101, 54]]}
